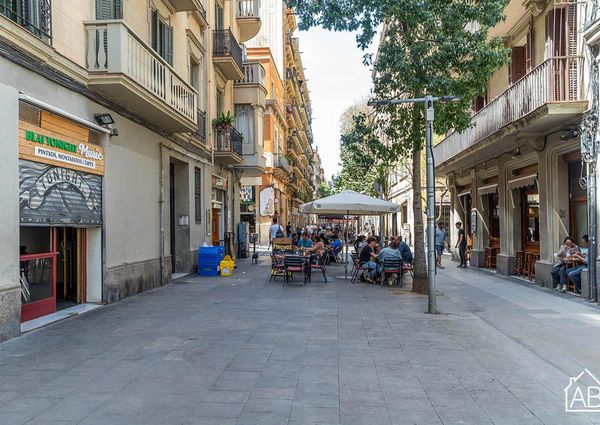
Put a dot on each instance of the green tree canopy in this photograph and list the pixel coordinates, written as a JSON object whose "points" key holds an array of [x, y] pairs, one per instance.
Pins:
{"points": [[436, 47]]}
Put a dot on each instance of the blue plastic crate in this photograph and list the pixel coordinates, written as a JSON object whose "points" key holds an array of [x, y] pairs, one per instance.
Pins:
{"points": [[208, 272], [212, 250]]}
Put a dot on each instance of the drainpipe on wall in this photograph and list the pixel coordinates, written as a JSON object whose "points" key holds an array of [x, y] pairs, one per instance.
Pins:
{"points": [[161, 204]]}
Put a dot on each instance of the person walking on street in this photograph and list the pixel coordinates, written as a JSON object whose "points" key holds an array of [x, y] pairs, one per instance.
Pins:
{"points": [[288, 230], [275, 231], [440, 241], [461, 244]]}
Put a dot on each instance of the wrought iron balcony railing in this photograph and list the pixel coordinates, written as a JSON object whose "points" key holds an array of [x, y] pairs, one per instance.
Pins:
{"points": [[225, 45], [33, 15], [229, 140]]}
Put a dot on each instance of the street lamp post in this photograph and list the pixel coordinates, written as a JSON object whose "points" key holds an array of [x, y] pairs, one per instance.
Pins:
{"points": [[428, 102]]}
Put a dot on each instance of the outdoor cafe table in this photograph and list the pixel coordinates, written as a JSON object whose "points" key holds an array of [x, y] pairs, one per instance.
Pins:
{"points": [[303, 254]]}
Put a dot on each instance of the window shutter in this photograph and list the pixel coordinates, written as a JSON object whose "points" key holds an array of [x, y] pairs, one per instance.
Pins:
{"points": [[118, 9], [168, 52], [530, 59], [155, 29], [109, 9], [219, 17], [517, 64]]}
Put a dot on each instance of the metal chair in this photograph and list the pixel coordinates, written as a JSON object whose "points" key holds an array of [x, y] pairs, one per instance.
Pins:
{"points": [[406, 268], [318, 265], [391, 267], [357, 270], [277, 268], [292, 264]]}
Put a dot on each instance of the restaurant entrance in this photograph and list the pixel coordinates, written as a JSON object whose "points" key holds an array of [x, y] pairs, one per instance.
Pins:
{"points": [[52, 269]]}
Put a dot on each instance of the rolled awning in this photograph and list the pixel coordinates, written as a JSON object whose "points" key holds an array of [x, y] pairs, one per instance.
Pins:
{"points": [[520, 182], [486, 190]]}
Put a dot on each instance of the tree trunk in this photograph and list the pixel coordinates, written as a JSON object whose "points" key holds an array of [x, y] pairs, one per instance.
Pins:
{"points": [[420, 264]]}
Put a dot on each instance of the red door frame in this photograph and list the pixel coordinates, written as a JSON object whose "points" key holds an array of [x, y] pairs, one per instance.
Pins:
{"points": [[47, 305]]}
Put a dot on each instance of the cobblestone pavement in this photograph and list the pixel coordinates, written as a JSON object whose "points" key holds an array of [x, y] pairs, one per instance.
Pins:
{"points": [[241, 350]]}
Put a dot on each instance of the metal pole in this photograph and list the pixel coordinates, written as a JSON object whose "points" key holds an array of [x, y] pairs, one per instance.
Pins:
{"points": [[429, 116], [592, 223]]}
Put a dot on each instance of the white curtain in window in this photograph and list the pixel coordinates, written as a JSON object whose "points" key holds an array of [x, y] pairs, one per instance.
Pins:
{"points": [[244, 122]]}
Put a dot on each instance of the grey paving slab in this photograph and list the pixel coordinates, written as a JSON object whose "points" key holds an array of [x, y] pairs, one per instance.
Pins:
{"points": [[227, 351]]}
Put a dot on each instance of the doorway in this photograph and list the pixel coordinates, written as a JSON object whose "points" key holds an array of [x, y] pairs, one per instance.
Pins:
{"points": [[172, 213], [70, 267], [53, 269], [216, 229]]}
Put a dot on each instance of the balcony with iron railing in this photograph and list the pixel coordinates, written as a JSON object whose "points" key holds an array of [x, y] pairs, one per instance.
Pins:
{"points": [[248, 18], [548, 96], [282, 167], [34, 16], [125, 69], [227, 54], [228, 147]]}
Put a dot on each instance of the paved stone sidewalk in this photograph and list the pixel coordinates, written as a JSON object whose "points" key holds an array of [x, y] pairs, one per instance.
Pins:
{"points": [[244, 351]]}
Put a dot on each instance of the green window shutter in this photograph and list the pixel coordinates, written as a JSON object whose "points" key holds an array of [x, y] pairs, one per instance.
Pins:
{"points": [[155, 30], [109, 9], [168, 52]]}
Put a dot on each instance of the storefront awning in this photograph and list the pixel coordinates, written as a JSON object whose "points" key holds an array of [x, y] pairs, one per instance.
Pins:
{"points": [[464, 192], [522, 181], [489, 189]]}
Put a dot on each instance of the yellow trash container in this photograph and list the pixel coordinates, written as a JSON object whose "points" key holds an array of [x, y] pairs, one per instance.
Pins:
{"points": [[226, 266]]}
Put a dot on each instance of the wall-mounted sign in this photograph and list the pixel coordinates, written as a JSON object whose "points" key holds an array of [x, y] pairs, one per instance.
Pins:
{"points": [[267, 201], [60, 147], [474, 221], [219, 182]]}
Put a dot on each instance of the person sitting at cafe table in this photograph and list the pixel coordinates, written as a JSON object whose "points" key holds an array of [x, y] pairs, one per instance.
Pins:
{"points": [[405, 252], [359, 243], [563, 256], [390, 252], [318, 247], [367, 259], [305, 241], [336, 244], [580, 261]]}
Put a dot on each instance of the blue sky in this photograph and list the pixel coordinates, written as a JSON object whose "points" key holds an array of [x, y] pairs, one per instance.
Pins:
{"points": [[337, 79]]}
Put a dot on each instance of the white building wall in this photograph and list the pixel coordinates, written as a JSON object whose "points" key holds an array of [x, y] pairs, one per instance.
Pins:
{"points": [[10, 295]]}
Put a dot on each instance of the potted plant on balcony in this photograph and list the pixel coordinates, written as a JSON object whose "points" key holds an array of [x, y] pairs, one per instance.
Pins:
{"points": [[223, 122]]}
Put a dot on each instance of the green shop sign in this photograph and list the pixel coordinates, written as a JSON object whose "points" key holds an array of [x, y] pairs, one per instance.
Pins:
{"points": [[50, 141]]}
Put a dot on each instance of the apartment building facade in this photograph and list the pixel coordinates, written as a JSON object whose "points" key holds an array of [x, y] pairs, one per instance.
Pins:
{"points": [[289, 179], [515, 175], [119, 159]]}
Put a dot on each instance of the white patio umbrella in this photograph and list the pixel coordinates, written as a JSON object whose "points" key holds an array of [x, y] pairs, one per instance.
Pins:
{"points": [[349, 203]]}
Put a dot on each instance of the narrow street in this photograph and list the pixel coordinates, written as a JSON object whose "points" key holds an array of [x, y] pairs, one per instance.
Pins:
{"points": [[245, 351]]}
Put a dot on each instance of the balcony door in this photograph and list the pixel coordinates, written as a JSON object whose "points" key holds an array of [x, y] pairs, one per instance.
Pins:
{"points": [[162, 37], [562, 47], [244, 123], [219, 17]]}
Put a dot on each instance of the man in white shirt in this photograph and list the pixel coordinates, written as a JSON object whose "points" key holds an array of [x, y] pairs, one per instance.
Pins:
{"points": [[275, 231]]}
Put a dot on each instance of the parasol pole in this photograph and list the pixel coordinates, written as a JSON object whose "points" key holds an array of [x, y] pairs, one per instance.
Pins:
{"points": [[346, 237]]}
